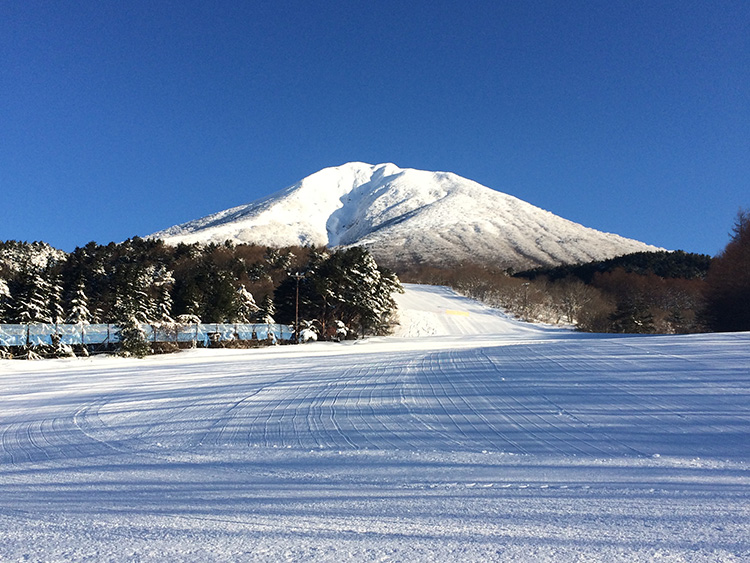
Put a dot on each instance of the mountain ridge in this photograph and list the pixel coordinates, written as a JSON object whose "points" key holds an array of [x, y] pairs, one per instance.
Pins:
{"points": [[407, 215]]}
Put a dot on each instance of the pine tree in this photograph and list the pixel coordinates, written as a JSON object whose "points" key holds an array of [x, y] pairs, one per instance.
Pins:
{"points": [[144, 305], [346, 286], [301, 295], [277, 260], [133, 340], [267, 311], [5, 298], [162, 313], [357, 291], [188, 298], [79, 306], [131, 295], [32, 298], [132, 308], [632, 317], [245, 307], [220, 304], [55, 300]]}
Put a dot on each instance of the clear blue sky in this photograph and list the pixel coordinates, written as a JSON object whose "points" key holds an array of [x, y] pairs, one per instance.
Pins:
{"points": [[123, 118]]}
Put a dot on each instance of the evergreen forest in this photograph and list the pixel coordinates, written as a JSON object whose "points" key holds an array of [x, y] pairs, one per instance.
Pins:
{"points": [[336, 294]]}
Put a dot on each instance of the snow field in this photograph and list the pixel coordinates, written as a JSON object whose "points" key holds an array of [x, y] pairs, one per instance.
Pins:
{"points": [[489, 440]]}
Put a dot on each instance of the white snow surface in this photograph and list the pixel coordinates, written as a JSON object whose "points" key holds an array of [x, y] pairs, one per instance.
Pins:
{"points": [[483, 439], [407, 214]]}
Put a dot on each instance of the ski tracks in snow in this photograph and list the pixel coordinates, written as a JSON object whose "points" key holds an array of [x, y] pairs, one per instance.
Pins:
{"points": [[554, 398], [513, 445]]}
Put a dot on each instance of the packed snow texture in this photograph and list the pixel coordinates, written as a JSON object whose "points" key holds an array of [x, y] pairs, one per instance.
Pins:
{"points": [[407, 214], [484, 439]]}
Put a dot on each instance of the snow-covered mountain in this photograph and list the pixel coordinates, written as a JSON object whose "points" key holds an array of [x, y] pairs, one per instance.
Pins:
{"points": [[407, 215]]}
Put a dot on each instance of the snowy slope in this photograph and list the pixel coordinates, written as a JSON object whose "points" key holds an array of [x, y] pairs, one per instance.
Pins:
{"points": [[492, 441], [427, 310], [406, 214]]}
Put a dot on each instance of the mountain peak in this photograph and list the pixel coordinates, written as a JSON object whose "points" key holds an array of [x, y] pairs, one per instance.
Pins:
{"points": [[403, 214]]}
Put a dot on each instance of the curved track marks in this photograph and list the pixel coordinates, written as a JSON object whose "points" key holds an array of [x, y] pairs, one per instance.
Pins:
{"points": [[578, 397]]}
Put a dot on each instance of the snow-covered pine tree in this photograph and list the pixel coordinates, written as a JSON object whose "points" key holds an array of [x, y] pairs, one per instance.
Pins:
{"points": [[309, 331], [346, 286], [265, 315], [133, 340], [219, 299], [188, 319], [356, 291], [97, 316], [384, 305], [267, 311], [79, 306], [5, 298], [277, 259], [162, 314], [32, 298], [245, 307], [132, 309], [372, 292], [132, 297], [55, 300], [144, 304]]}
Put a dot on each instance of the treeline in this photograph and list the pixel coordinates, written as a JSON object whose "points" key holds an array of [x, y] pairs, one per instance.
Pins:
{"points": [[648, 292], [728, 281], [671, 265], [146, 281]]}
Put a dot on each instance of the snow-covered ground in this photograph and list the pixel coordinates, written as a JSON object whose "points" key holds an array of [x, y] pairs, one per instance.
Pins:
{"points": [[468, 437]]}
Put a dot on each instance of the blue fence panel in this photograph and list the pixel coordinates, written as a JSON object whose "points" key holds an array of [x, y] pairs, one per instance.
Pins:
{"points": [[71, 334], [187, 333], [245, 332], [226, 331], [41, 334], [102, 334], [12, 335], [285, 332]]}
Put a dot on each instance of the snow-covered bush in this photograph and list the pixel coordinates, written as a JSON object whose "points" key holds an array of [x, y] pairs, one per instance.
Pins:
{"points": [[341, 331], [133, 340], [309, 331]]}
